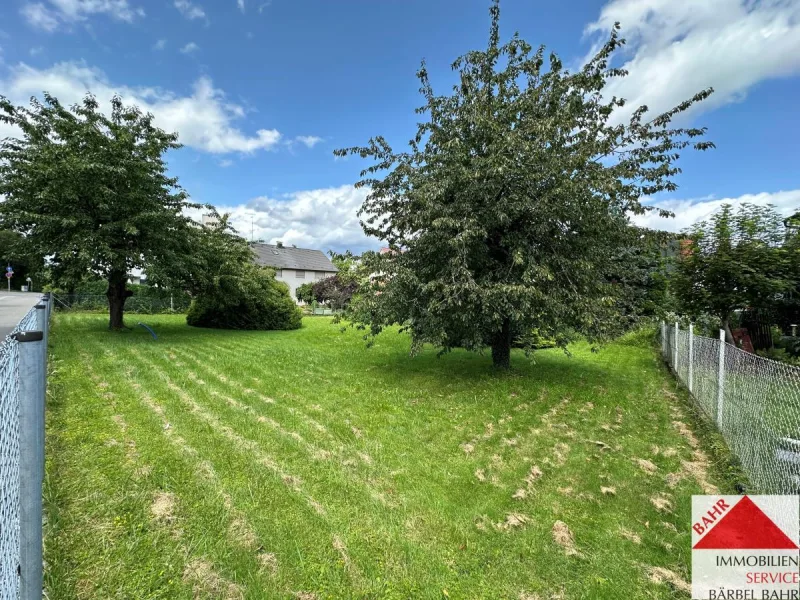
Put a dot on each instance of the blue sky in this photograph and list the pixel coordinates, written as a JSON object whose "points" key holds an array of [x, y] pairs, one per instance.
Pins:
{"points": [[261, 92]]}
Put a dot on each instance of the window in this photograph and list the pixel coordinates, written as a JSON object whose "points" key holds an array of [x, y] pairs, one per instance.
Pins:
{"points": [[278, 272], [321, 275], [300, 274]]}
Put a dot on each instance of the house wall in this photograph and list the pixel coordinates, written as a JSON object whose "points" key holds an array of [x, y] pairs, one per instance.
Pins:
{"points": [[289, 276]]}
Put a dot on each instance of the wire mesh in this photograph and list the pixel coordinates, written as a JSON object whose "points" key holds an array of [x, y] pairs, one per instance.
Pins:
{"points": [[28, 322], [10, 459], [9, 468], [758, 411]]}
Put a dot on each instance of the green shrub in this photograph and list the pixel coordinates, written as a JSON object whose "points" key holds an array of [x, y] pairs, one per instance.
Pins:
{"points": [[781, 355], [305, 292], [253, 299], [534, 341], [643, 336]]}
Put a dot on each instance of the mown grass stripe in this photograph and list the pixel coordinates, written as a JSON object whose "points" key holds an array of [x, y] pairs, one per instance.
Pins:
{"points": [[291, 481], [414, 417], [339, 449]]}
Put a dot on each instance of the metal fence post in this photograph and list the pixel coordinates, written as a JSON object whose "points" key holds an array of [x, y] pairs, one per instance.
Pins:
{"points": [[675, 349], [663, 339], [691, 356], [31, 442], [721, 377]]}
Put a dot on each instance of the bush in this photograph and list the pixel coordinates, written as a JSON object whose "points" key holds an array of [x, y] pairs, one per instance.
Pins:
{"points": [[336, 291], [305, 292], [534, 341], [781, 355], [253, 299]]}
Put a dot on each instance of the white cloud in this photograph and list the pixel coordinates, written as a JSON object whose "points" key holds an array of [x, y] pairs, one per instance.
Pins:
{"points": [[204, 119], [39, 17], [160, 45], [323, 219], [57, 12], [225, 163], [240, 4], [309, 140], [189, 10], [679, 47], [688, 212], [190, 48]]}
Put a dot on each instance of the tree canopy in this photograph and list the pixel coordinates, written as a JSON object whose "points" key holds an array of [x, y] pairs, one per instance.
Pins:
{"points": [[229, 290], [90, 192], [504, 214], [735, 260], [12, 253]]}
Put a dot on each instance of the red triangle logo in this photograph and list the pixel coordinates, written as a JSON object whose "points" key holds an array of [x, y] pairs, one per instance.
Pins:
{"points": [[745, 527]]}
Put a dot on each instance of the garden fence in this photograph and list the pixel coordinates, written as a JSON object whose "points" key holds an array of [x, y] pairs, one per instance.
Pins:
{"points": [[754, 401], [23, 376], [137, 304]]}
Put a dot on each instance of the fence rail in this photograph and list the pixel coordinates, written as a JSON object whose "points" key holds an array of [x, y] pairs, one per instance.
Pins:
{"points": [[139, 304], [23, 381], [754, 401]]}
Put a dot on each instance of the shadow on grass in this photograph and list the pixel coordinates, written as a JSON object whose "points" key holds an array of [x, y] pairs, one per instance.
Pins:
{"points": [[390, 364]]}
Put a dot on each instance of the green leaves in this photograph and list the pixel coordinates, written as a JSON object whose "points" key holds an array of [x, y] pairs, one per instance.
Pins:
{"points": [[514, 198], [736, 260], [90, 191]]}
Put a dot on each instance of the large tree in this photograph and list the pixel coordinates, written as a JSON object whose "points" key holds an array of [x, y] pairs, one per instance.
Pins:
{"points": [[514, 195], [91, 192], [735, 260]]}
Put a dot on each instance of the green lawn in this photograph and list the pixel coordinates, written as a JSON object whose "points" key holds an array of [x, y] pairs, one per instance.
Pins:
{"points": [[301, 464]]}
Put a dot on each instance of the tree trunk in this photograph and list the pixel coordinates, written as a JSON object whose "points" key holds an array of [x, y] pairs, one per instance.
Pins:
{"points": [[501, 347], [117, 293], [726, 325]]}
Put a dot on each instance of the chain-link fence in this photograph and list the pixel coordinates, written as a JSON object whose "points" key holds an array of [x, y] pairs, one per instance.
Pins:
{"points": [[22, 384], [754, 401], [138, 304]]}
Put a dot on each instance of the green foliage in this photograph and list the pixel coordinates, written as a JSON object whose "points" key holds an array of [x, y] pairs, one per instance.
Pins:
{"points": [[781, 355], [256, 300], [305, 292], [735, 260], [507, 211], [788, 343], [640, 273], [12, 252], [91, 193], [644, 335], [232, 292], [348, 264], [336, 291]]}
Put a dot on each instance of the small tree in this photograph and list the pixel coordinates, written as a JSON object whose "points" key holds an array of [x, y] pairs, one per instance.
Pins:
{"points": [[337, 291], [734, 261], [90, 192], [506, 210], [305, 292]]}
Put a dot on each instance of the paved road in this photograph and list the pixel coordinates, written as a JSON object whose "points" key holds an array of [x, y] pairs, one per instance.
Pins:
{"points": [[14, 306]]}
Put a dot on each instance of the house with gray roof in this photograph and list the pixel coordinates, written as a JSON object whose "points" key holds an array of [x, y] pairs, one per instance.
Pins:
{"points": [[294, 266]]}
